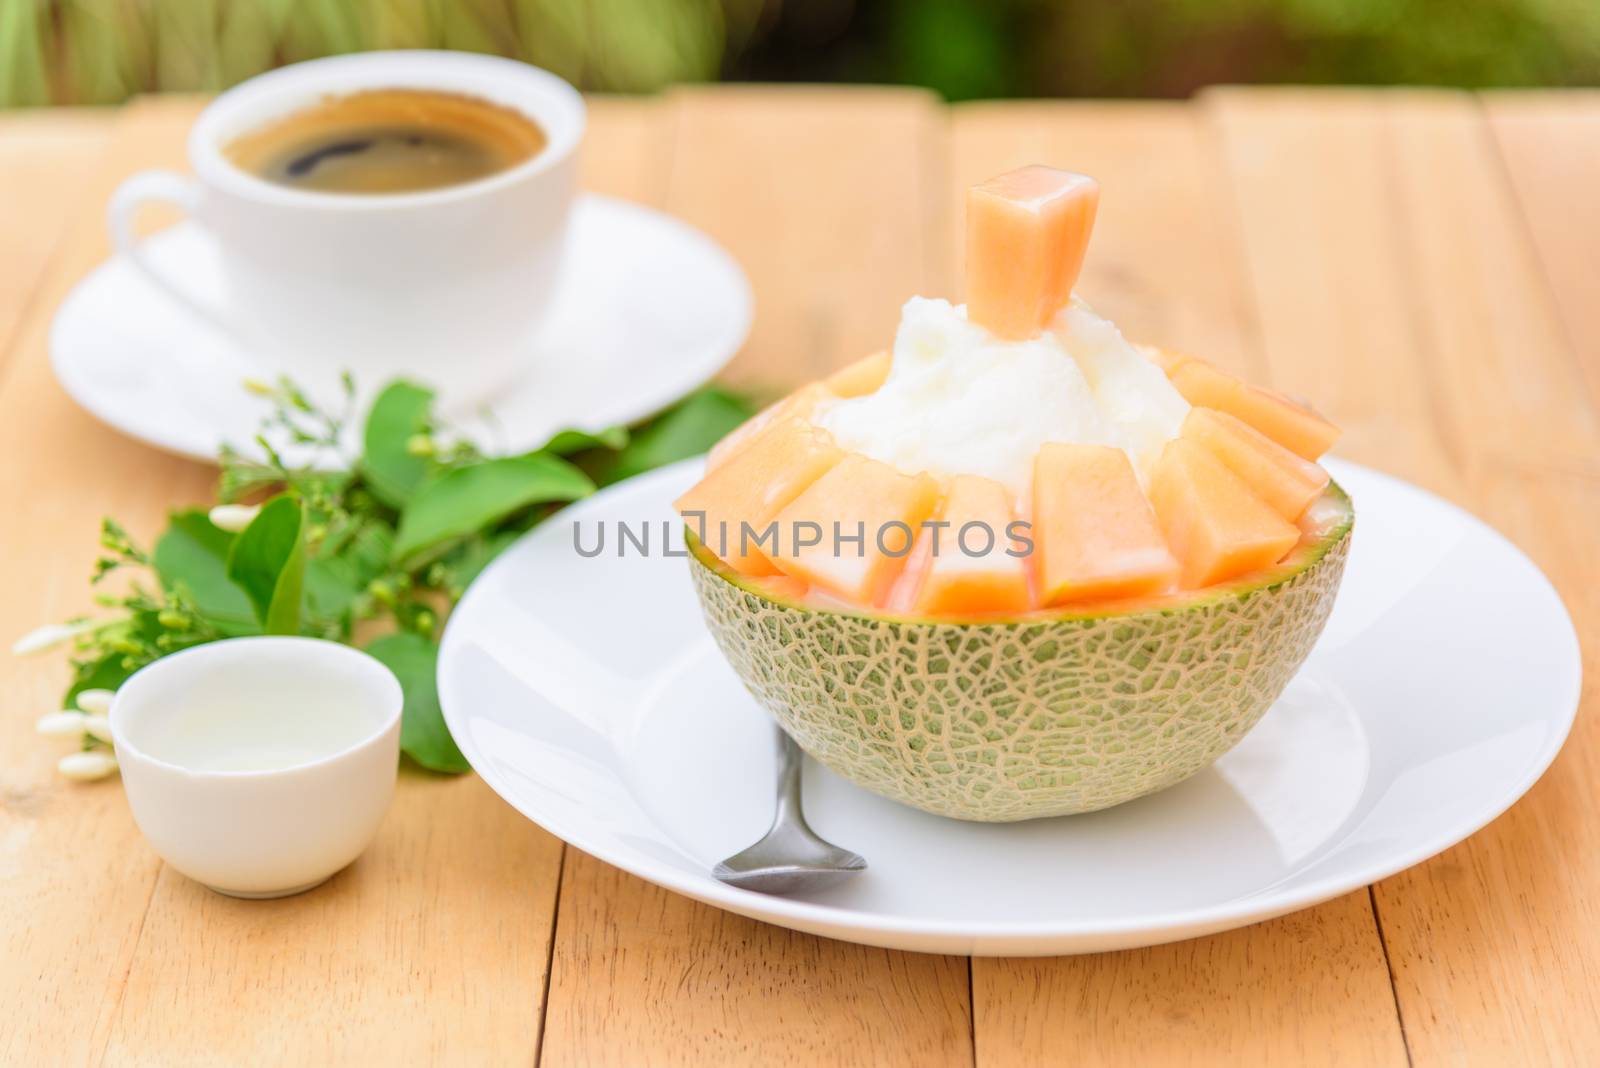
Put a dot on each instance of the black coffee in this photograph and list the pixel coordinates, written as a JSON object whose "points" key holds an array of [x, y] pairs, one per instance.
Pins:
{"points": [[388, 141]]}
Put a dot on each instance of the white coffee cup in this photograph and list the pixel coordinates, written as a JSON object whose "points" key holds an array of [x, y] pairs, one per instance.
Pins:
{"points": [[446, 286]]}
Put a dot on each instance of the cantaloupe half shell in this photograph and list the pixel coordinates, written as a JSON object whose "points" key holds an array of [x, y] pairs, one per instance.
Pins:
{"points": [[1043, 715]]}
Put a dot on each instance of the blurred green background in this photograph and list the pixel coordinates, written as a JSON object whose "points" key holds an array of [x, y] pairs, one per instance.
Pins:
{"points": [[102, 51]]}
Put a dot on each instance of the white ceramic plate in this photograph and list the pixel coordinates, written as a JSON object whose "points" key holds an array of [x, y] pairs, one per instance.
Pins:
{"points": [[648, 308], [589, 695]]}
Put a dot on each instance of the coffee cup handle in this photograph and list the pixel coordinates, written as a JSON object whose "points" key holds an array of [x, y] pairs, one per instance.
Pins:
{"points": [[152, 187]]}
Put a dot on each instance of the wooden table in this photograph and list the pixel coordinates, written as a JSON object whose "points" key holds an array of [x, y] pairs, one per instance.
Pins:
{"points": [[1425, 264]]}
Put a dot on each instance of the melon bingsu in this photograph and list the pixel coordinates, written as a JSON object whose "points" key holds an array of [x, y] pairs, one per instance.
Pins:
{"points": [[1016, 566]]}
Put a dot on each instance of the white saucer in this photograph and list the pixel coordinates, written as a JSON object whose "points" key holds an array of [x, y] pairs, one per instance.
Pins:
{"points": [[648, 309], [587, 693]]}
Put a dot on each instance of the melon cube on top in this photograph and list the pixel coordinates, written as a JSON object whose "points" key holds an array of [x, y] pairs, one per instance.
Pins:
{"points": [[850, 531], [1095, 535], [1285, 481], [752, 486], [969, 564], [1296, 428], [1027, 231], [1216, 525]]}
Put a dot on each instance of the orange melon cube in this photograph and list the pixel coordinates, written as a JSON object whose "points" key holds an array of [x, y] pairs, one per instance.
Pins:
{"points": [[802, 403], [862, 377], [970, 569], [1298, 429], [1285, 481], [1216, 525], [901, 598], [751, 488], [1027, 231], [839, 532], [1094, 532]]}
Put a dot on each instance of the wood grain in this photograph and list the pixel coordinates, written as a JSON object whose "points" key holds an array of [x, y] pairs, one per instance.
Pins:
{"points": [[1480, 934], [1305, 989], [1166, 262], [645, 976], [1422, 264], [827, 199], [74, 874], [1309, 180], [430, 949], [47, 158], [641, 975], [1549, 146], [626, 148], [433, 947], [1461, 376], [394, 955]]}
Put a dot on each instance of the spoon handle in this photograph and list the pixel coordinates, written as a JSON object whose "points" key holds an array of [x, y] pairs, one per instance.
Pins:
{"points": [[790, 759]]}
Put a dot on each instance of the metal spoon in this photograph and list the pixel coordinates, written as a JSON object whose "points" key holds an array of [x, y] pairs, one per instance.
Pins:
{"points": [[790, 858]]}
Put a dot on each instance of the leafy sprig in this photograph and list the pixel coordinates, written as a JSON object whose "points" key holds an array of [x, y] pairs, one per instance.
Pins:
{"points": [[372, 549]]}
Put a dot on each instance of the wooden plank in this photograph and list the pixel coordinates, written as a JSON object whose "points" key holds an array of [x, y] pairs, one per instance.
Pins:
{"points": [[435, 942], [818, 194], [1499, 354], [1309, 186], [46, 158], [1369, 292], [1549, 146], [1311, 988], [645, 976], [625, 147], [430, 949], [433, 947], [825, 196], [1494, 944], [74, 875]]}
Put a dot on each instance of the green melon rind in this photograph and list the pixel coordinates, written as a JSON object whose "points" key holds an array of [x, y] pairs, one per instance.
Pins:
{"points": [[1013, 720]]}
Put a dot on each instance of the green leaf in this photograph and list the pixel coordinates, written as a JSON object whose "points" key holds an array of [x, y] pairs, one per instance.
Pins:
{"points": [[399, 413], [423, 734], [566, 442], [332, 585], [268, 562], [368, 550], [467, 499], [687, 429], [108, 672], [467, 560], [193, 553]]}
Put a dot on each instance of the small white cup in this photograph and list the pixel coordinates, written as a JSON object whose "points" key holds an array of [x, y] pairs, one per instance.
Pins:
{"points": [[446, 286], [259, 766]]}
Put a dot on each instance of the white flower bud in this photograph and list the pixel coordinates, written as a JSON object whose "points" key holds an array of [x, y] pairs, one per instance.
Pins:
{"points": [[233, 517], [98, 727], [84, 767], [96, 702], [48, 637], [61, 724]]}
